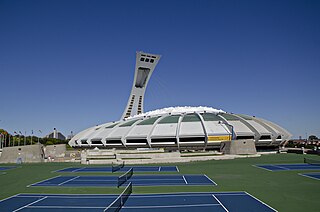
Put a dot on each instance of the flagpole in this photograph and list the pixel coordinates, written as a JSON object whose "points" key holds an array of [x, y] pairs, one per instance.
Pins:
{"points": [[5, 141], [39, 137], [31, 135]]}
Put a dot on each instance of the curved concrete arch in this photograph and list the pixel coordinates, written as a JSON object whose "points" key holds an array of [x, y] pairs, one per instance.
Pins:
{"points": [[124, 137], [178, 130], [257, 135], [152, 129], [204, 130]]}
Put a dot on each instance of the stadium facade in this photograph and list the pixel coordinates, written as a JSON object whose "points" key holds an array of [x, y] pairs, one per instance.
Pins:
{"points": [[175, 127]]}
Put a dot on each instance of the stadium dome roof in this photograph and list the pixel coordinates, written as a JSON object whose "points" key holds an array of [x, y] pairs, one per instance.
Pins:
{"points": [[181, 127]]}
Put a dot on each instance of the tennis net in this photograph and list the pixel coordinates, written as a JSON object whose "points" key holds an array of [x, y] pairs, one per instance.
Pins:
{"points": [[116, 167], [125, 177], [312, 161], [117, 204]]}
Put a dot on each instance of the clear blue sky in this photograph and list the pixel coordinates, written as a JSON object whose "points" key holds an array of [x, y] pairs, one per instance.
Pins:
{"points": [[69, 64]]}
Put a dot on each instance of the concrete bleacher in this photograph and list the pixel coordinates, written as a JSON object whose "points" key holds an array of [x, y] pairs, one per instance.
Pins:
{"points": [[150, 157]]}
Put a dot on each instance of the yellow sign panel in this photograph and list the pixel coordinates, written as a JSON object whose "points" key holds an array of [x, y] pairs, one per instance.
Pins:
{"points": [[212, 139]]}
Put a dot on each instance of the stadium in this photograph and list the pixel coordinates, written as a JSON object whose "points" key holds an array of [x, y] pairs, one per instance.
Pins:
{"points": [[175, 127]]}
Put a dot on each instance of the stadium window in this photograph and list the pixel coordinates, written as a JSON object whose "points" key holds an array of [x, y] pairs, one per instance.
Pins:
{"points": [[141, 59], [147, 59], [152, 60]]}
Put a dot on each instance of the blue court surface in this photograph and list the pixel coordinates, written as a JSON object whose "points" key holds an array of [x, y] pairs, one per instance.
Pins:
{"points": [[124, 169], [286, 167], [2, 168], [315, 176], [137, 180], [215, 201]]}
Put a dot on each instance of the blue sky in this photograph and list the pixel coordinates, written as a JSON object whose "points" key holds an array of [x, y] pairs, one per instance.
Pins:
{"points": [[69, 64]]}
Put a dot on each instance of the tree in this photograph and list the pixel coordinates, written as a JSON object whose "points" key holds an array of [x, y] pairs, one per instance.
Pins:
{"points": [[312, 137]]}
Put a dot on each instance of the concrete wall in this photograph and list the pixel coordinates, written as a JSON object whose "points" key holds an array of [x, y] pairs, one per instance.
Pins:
{"points": [[24, 154], [238, 147], [55, 151]]}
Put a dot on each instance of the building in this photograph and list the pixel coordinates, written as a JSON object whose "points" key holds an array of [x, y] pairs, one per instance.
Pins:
{"points": [[175, 127], [55, 134]]}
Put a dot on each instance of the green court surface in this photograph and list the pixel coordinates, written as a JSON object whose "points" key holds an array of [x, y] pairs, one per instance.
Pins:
{"points": [[284, 191]]}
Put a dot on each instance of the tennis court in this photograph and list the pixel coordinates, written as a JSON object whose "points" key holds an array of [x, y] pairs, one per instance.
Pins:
{"points": [[315, 175], [309, 164], [215, 201], [137, 180], [287, 167], [2, 168], [123, 169]]}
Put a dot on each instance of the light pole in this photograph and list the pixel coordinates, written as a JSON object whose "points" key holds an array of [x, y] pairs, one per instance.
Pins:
{"points": [[31, 135], [5, 139], [1, 136]]}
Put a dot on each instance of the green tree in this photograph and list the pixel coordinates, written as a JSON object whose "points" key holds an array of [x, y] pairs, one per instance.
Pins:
{"points": [[312, 137]]}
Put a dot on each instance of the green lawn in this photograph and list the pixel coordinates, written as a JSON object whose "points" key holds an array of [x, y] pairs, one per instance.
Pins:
{"points": [[284, 190]]}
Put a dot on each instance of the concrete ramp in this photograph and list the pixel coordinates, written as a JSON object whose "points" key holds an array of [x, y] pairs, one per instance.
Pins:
{"points": [[22, 154]]}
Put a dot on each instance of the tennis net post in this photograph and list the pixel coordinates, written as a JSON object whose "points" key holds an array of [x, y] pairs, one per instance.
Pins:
{"points": [[118, 203], [311, 161], [117, 167], [125, 177]]}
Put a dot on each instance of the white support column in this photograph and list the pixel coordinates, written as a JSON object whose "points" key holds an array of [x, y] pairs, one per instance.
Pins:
{"points": [[204, 130]]}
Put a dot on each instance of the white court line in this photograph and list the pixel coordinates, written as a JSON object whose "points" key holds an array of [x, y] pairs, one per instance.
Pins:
{"points": [[280, 167], [214, 183], [258, 166], [63, 196], [79, 207], [61, 169], [261, 201], [43, 180], [305, 175], [133, 179], [220, 203], [68, 180], [114, 180], [29, 204], [225, 193], [184, 195], [177, 168], [9, 198], [78, 169], [171, 206], [112, 196], [184, 179]]}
